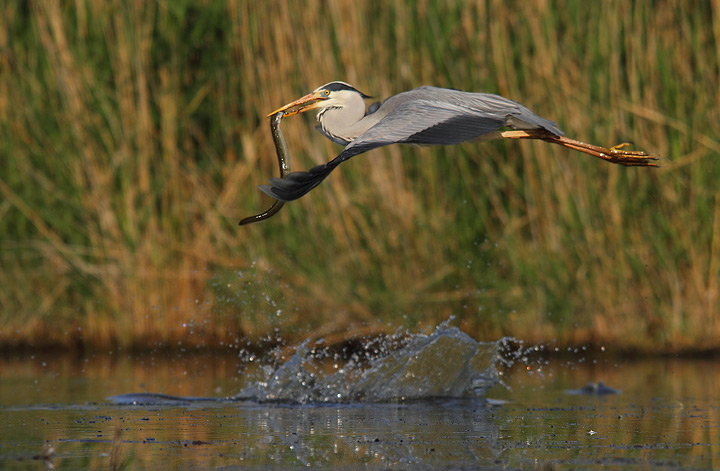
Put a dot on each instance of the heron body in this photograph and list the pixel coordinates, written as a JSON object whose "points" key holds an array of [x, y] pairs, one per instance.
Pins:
{"points": [[425, 116], [422, 116]]}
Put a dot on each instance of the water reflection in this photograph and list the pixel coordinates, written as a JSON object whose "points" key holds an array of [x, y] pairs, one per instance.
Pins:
{"points": [[666, 417], [69, 379]]}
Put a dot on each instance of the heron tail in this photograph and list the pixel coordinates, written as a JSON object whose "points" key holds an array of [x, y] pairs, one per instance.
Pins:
{"points": [[296, 184]]}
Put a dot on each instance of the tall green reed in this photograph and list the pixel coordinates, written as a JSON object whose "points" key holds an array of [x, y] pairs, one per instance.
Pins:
{"points": [[134, 137]]}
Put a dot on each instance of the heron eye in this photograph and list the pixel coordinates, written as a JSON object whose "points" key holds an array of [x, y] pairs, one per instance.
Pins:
{"points": [[326, 92]]}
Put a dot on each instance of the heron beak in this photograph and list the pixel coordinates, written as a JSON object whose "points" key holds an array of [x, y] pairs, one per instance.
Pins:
{"points": [[306, 103]]}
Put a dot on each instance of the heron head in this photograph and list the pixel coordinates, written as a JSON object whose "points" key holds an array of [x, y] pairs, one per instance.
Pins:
{"points": [[330, 95]]}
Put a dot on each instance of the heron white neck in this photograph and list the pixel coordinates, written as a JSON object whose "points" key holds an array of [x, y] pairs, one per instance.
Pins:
{"points": [[343, 121]]}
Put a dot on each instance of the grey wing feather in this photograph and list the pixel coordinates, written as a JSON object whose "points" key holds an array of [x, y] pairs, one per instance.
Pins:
{"points": [[516, 115], [426, 122]]}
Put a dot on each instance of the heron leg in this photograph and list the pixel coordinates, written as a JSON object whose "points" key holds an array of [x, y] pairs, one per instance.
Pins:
{"points": [[614, 154]]}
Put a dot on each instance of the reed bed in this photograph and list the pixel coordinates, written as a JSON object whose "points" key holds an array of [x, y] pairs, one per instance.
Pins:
{"points": [[134, 135]]}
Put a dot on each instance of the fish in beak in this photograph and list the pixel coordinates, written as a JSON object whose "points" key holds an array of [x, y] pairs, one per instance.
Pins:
{"points": [[306, 103]]}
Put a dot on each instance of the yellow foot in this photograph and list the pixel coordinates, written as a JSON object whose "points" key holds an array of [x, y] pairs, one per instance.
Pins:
{"points": [[630, 157], [616, 150]]}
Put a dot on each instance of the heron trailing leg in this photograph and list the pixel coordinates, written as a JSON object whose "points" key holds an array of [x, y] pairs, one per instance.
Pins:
{"points": [[615, 154]]}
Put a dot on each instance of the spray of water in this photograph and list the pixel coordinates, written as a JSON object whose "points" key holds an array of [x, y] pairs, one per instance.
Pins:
{"points": [[445, 363]]}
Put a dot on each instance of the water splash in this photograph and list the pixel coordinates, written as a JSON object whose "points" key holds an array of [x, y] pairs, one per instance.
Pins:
{"points": [[443, 364]]}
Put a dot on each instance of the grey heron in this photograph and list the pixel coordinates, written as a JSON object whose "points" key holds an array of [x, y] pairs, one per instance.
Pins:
{"points": [[422, 116]]}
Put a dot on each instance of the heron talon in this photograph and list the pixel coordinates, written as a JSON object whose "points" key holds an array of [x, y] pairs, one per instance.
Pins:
{"points": [[631, 157], [615, 150]]}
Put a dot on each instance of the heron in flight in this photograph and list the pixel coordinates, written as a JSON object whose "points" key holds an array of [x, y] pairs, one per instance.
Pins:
{"points": [[422, 116]]}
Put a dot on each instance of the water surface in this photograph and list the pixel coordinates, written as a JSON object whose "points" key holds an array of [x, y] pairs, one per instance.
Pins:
{"points": [[55, 413]]}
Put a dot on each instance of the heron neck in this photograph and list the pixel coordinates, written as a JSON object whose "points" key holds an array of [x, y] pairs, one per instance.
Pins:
{"points": [[344, 123]]}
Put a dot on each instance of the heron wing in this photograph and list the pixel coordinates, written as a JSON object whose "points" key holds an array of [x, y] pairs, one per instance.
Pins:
{"points": [[429, 123], [410, 120]]}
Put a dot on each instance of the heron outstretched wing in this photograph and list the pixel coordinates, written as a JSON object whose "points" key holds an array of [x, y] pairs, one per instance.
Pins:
{"points": [[412, 122]]}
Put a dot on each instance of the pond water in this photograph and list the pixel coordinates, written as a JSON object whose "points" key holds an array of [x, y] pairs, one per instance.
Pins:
{"points": [[69, 412]]}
